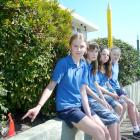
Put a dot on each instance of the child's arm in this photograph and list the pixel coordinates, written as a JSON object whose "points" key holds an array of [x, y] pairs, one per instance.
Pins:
{"points": [[91, 93], [47, 93], [85, 100], [105, 91], [99, 91], [101, 95], [110, 87], [32, 113]]}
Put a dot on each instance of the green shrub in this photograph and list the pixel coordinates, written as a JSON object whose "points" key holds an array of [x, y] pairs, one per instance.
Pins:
{"points": [[129, 62], [3, 100], [34, 34]]}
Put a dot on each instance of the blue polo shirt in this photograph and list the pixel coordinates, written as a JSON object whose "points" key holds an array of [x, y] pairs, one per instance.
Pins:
{"points": [[91, 79], [102, 79], [114, 79], [69, 78]]}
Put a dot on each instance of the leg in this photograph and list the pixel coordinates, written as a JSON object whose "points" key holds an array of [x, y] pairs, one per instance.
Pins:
{"points": [[138, 117], [124, 106], [98, 121], [76, 117], [107, 117], [114, 104], [118, 132], [113, 130], [118, 109], [90, 127], [131, 111], [133, 115]]}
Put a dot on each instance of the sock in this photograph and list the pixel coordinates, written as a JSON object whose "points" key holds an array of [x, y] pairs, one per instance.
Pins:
{"points": [[136, 129]]}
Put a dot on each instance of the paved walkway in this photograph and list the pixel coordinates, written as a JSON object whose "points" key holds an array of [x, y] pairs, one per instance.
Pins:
{"points": [[126, 127]]}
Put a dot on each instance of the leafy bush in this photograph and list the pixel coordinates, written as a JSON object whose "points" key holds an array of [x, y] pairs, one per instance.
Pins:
{"points": [[34, 34], [129, 62], [3, 103]]}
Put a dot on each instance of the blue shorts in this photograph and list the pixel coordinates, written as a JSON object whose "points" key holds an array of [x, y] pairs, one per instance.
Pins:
{"points": [[104, 114], [111, 101], [121, 101], [70, 115], [121, 92]]}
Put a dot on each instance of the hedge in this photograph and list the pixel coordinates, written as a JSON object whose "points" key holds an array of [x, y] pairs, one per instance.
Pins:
{"points": [[34, 34]]}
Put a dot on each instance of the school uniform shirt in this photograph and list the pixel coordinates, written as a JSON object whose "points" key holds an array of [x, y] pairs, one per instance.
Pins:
{"points": [[114, 79], [69, 78], [91, 79], [102, 79]]}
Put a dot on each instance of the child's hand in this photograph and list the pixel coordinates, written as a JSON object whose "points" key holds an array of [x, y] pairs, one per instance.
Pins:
{"points": [[104, 103], [32, 113], [116, 97], [108, 106]]}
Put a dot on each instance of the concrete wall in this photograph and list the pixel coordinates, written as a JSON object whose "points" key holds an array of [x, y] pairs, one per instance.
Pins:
{"points": [[57, 130], [54, 129], [133, 91]]}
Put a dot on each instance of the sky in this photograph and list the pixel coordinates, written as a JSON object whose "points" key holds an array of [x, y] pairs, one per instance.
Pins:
{"points": [[125, 17]]}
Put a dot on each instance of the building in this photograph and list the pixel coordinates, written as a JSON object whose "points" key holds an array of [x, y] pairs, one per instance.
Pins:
{"points": [[80, 24]]}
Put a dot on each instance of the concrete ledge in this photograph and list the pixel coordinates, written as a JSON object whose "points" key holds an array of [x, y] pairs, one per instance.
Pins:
{"points": [[54, 129]]}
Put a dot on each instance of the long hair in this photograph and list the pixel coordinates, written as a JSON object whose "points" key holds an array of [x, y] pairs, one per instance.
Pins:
{"points": [[107, 67], [92, 46]]}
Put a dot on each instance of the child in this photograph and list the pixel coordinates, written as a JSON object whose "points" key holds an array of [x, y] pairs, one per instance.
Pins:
{"points": [[104, 75], [133, 113], [108, 118], [69, 76]]}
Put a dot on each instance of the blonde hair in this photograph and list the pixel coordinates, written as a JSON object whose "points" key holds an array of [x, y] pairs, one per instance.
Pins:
{"points": [[79, 36], [115, 48]]}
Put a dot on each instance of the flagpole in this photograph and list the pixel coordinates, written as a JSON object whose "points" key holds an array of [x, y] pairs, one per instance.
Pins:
{"points": [[109, 25], [138, 43]]}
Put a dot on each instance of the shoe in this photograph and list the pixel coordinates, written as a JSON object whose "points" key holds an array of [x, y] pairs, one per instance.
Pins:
{"points": [[124, 138], [136, 136]]}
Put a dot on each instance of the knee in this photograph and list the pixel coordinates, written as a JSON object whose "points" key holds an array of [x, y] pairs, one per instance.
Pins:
{"points": [[124, 106], [131, 104], [119, 109], [107, 135], [100, 133]]}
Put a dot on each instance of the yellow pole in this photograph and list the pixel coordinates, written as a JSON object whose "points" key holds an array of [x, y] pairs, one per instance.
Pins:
{"points": [[109, 24]]}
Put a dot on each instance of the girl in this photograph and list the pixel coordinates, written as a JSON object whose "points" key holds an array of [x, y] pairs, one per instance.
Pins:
{"points": [[133, 113], [108, 118], [69, 76], [104, 74]]}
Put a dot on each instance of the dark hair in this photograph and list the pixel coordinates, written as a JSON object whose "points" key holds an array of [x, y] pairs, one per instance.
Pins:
{"points": [[106, 66], [92, 46]]}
